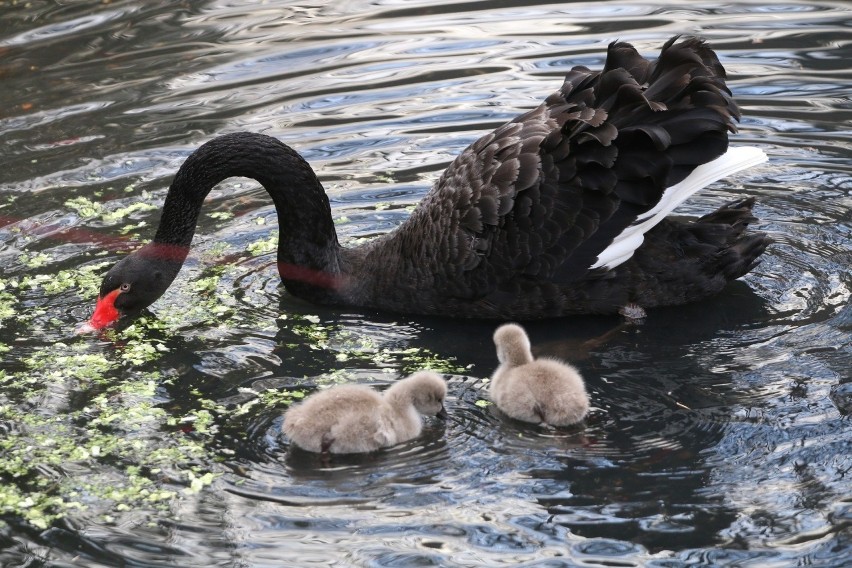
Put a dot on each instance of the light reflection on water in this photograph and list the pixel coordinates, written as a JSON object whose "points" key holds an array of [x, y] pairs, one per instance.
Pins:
{"points": [[714, 438]]}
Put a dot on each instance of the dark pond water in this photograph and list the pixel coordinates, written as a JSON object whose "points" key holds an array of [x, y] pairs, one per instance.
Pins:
{"points": [[719, 434]]}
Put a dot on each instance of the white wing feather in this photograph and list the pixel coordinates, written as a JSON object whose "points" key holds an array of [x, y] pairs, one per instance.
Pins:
{"points": [[631, 238]]}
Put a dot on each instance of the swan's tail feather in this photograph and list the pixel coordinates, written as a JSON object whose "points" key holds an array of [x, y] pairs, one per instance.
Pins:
{"points": [[741, 258], [703, 255], [739, 252]]}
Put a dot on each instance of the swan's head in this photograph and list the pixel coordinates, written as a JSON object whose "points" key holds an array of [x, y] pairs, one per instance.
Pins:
{"points": [[513, 345], [428, 391], [134, 283]]}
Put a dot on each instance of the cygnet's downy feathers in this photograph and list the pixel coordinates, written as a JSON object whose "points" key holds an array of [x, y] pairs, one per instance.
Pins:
{"points": [[355, 418], [540, 391]]}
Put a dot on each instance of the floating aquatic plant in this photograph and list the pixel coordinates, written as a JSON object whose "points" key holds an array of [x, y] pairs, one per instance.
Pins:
{"points": [[89, 209], [89, 425]]}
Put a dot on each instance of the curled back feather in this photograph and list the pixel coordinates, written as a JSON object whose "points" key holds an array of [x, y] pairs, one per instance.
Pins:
{"points": [[546, 193]]}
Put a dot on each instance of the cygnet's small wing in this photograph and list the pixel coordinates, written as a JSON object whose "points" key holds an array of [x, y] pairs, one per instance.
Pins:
{"points": [[333, 419]]}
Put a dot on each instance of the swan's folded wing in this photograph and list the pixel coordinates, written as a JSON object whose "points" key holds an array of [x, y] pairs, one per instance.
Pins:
{"points": [[549, 194]]}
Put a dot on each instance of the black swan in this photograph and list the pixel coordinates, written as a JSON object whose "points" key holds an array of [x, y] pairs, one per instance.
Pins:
{"points": [[560, 211]]}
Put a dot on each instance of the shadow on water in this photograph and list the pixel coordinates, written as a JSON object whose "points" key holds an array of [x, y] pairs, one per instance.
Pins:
{"points": [[593, 343], [634, 470]]}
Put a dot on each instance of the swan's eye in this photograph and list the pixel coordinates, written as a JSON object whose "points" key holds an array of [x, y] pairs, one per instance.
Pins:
{"points": [[125, 287]]}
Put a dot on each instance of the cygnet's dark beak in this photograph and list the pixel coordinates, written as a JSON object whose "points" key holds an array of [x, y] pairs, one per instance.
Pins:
{"points": [[442, 414]]}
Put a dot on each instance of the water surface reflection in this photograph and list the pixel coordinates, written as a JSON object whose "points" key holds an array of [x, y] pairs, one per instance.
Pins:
{"points": [[719, 434]]}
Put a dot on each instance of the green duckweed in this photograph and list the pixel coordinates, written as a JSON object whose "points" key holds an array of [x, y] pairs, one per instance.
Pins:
{"points": [[93, 423]]}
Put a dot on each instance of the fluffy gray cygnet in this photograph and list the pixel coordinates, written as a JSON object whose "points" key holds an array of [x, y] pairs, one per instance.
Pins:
{"points": [[355, 418], [546, 391]]}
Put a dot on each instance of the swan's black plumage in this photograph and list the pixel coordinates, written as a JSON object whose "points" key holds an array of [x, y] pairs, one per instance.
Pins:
{"points": [[514, 226]]}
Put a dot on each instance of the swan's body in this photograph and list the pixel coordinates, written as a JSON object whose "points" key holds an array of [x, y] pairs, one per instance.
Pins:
{"points": [[540, 391], [355, 418], [560, 211]]}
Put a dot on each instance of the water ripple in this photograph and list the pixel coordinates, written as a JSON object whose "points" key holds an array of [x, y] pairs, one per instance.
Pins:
{"points": [[718, 434]]}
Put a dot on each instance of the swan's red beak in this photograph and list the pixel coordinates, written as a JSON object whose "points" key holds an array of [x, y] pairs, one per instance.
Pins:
{"points": [[105, 313]]}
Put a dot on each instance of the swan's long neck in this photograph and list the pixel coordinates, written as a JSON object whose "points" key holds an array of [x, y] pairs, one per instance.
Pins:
{"points": [[399, 395], [402, 412], [308, 250]]}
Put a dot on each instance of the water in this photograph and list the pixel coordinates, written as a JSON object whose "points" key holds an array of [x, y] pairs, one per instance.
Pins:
{"points": [[720, 433]]}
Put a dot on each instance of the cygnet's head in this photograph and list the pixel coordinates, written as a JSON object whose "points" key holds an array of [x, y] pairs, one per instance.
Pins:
{"points": [[513, 345], [428, 391]]}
